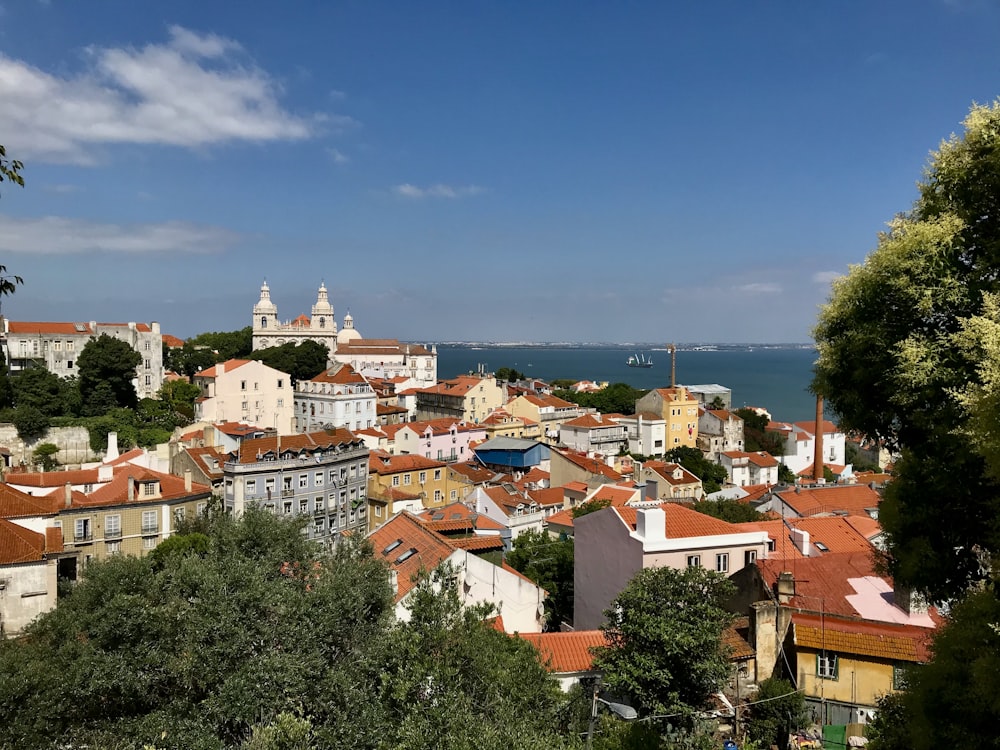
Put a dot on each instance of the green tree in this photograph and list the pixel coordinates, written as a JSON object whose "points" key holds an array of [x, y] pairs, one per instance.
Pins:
{"points": [[190, 359], [30, 423], [712, 475], [6, 387], [732, 511], [226, 344], [786, 475], [617, 398], [890, 729], [302, 361], [45, 454], [180, 396], [109, 361], [42, 389], [548, 562], [756, 436], [509, 374], [591, 506], [665, 650], [778, 709], [908, 354], [10, 170]]}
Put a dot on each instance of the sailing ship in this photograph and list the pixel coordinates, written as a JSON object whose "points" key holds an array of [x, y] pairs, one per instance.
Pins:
{"points": [[639, 360]]}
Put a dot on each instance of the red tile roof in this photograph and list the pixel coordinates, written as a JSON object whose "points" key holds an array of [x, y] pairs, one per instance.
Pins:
{"points": [[18, 545], [409, 548], [481, 543], [42, 328], [855, 499], [682, 522], [172, 341], [226, 367], [342, 374], [254, 449], [879, 640], [567, 653], [115, 492], [592, 465], [383, 464], [54, 478], [674, 474], [551, 496], [833, 532], [17, 504]]}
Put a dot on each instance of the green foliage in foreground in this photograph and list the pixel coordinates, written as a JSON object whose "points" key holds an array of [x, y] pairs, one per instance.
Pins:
{"points": [[548, 562], [778, 709], [732, 511], [249, 635]]}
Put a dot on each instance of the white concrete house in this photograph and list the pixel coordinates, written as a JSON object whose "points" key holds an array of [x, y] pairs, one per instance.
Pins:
{"points": [[243, 390], [800, 442], [338, 397]]}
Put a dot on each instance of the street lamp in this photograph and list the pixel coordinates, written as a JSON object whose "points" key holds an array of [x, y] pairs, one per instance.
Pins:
{"points": [[621, 710]]}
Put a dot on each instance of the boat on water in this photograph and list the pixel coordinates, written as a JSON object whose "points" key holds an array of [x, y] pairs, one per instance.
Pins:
{"points": [[639, 360]]}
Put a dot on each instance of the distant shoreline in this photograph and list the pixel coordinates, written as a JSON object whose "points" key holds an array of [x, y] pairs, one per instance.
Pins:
{"points": [[647, 346]]}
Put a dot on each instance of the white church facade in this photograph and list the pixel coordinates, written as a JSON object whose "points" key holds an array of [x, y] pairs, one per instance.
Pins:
{"points": [[372, 358]]}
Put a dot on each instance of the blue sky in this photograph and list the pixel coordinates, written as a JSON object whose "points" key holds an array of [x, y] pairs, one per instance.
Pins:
{"points": [[572, 171]]}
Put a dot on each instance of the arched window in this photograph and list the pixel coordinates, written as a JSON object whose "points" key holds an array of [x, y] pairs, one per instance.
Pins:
{"points": [[263, 322], [322, 322]]}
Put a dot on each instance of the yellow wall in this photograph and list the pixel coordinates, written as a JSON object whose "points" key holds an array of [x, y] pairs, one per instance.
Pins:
{"points": [[860, 680]]}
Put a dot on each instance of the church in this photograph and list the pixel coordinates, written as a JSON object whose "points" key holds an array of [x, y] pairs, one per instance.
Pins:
{"points": [[321, 327], [373, 358]]}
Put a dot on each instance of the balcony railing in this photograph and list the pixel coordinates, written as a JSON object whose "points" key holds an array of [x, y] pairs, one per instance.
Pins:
{"points": [[83, 538], [150, 529], [113, 534]]}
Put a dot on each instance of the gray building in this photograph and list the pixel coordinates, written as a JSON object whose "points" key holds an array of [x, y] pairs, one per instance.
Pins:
{"points": [[322, 475]]}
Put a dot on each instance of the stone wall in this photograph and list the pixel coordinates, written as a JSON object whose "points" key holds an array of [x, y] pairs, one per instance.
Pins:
{"points": [[73, 442]]}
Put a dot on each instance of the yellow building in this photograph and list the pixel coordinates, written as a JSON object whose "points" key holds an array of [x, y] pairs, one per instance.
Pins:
{"points": [[680, 410], [416, 482], [502, 423]]}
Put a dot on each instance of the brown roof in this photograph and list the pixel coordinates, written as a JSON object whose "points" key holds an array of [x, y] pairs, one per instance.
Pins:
{"points": [[42, 328], [736, 637], [593, 465], [682, 522], [667, 470], [342, 374], [17, 504], [115, 492], [19, 545], [564, 653], [382, 463], [409, 548], [172, 341], [254, 449], [54, 478], [833, 532], [854, 499], [380, 346], [862, 637], [483, 543]]}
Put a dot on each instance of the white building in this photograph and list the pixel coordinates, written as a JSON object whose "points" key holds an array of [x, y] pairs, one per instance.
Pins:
{"points": [[746, 469], [338, 397], [58, 345], [243, 390], [269, 330], [646, 433], [800, 443], [719, 431], [389, 358]]}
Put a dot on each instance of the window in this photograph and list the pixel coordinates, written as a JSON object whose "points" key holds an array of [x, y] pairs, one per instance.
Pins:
{"points": [[148, 365], [81, 531], [281, 402], [69, 347], [146, 347], [281, 384], [438, 496], [320, 525], [437, 474], [149, 380], [395, 481], [149, 524], [406, 478], [202, 509], [770, 545], [251, 486], [114, 548], [149, 542], [58, 346], [899, 677], [826, 666], [454, 494], [318, 479], [287, 508], [422, 477], [256, 386], [112, 527], [722, 562], [149, 489], [303, 506], [269, 485], [694, 561], [318, 502], [246, 405], [243, 385], [378, 511], [69, 364], [179, 514], [749, 557], [303, 480]]}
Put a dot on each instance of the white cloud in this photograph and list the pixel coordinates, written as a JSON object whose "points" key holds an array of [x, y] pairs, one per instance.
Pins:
{"points": [[195, 90], [437, 191], [339, 157], [825, 277], [54, 235], [759, 288]]}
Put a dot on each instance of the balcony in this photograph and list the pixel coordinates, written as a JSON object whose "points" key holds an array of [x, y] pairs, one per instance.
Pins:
{"points": [[84, 538], [288, 492], [150, 529], [112, 534]]}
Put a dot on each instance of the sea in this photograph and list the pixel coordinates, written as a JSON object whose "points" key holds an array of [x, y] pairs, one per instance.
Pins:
{"points": [[775, 377]]}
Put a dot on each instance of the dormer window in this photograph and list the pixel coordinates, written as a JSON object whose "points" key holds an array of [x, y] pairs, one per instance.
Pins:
{"points": [[150, 489]]}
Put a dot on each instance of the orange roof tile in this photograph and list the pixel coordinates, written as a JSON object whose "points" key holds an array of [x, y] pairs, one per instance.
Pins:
{"points": [[481, 543], [341, 374], [252, 450], [229, 365], [17, 504], [682, 522], [863, 637], [855, 499], [115, 492], [172, 341], [736, 638], [409, 548], [547, 497], [19, 545], [386, 464], [42, 328], [54, 478], [565, 653]]}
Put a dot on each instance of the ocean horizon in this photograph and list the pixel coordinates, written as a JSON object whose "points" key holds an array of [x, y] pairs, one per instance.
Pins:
{"points": [[773, 376]]}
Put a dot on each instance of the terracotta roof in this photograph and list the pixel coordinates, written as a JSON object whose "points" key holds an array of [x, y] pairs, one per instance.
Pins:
{"points": [[380, 346], [19, 545], [562, 518], [592, 465], [736, 637], [385, 464], [682, 522], [172, 341], [42, 328], [810, 427], [204, 458], [457, 516], [115, 492], [854, 499], [409, 548], [547, 400], [126, 457], [668, 470], [253, 449], [455, 387], [723, 414], [862, 637], [54, 478], [481, 543], [230, 365], [566, 653], [547, 497], [384, 409], [17, 504], [833, 532], [591, 422], [615, 494], [473, 472], [237, 429], [342, 374]]}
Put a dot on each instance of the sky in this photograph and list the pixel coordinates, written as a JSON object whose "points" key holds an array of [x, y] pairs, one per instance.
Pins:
{"points": [[485, 171]]}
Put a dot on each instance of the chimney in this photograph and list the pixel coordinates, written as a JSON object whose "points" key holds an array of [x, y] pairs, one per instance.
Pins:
{"points": [[105, 473], [652, 490], [800, 539], [909, 600], [220, 368], [786, 587], [68, 494], [673, 365], [818, 441], [187, 480], [131, 488], [112, 452], [651, 524]]}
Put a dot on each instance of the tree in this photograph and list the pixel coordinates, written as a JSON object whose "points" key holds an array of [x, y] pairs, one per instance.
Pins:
{"points": [[717, 403], [786, 475], [712, 475], [42, 389], [226, 344], [617, 398], [509, 374], [45, 454], [549, 563], [30, 423], [732, 511], [755, 434], [10, 170], [190, 359], [107, 368], [180, 396], [591, 506], [778, 709], [301, 361], [665, 651], [909, 355]]}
